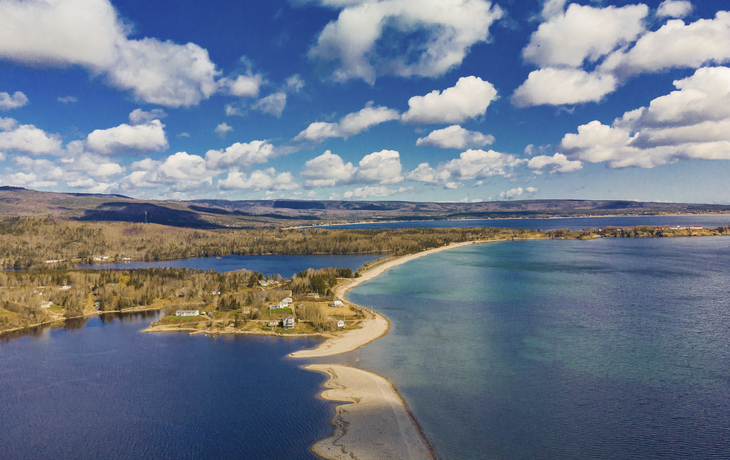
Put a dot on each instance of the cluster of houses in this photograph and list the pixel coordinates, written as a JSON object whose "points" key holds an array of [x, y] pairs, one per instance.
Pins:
{"points": [[187, 313], [287, 323], [338, 304], [284, 303]]}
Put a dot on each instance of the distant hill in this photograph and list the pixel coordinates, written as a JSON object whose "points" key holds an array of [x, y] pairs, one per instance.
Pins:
{"points": [[212, 214]]}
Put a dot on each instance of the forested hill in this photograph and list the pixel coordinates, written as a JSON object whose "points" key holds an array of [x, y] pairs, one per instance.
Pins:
{"points": [[213, 214]]}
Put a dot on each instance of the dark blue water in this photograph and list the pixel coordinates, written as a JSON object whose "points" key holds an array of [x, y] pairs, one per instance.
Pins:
{"points": [[286, 266], [604, 349], [106, 391], [572, 223]]}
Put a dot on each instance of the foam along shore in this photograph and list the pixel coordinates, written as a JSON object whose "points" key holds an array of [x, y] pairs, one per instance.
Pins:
{"points": [[376, 425], [375, 325]]}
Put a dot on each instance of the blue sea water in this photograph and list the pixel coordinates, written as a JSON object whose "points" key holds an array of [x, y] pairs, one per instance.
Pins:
{"points": [[572, 223], [101, 389], [603, 349]]}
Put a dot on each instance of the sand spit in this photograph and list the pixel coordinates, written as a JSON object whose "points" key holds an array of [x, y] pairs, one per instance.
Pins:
{"points": [[377, 425], [376, 325]]}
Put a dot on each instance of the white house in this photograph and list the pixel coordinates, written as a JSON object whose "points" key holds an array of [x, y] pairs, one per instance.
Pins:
{"points": [[288, 322], [273, 323], [338, 303], [340, 323], [187, 312], [288, 300]]}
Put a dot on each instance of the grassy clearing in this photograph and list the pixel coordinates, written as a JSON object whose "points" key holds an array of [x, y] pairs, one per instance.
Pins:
{"points": [[281, 311]]}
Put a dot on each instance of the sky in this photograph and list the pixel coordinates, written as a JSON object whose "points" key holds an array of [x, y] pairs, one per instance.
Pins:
{"points": [[408, 100]]}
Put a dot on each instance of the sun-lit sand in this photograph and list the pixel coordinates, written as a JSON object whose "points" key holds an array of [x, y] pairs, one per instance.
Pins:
{"points": [[375, 425]]}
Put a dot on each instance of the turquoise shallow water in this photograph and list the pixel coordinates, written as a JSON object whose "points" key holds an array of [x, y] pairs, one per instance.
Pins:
{"points": [[604, 349]]}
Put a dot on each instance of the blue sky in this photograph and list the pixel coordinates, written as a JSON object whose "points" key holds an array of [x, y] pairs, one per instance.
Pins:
{"points": [[418, 100]]}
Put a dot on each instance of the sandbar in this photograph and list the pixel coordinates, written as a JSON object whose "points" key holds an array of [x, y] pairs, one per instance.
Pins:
{"points": [[376, 425]]}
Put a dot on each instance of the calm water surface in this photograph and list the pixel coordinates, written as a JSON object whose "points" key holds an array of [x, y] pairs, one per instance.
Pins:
{"points": [[286, 266], [605, 349], [572, 223], [102, 390]]}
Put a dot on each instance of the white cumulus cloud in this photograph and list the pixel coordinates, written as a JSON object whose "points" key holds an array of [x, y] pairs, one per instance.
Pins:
{"points": [[149, 136], [559, 163], [517, 192], [273, 104], [674, 9], [584, 32], [15, 137], [563, 86], [350, 125], [455, 137], [222, 129], [90, 34], [469, 98], [239, 155], [691, 123], [445, 30], [471, 165], [327, 170], [266, 179], [8, 102]]}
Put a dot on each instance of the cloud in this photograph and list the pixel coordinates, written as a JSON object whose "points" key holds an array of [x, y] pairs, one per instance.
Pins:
{"points": [[222, 129], [8, 102], [380, 167], [674, 9], [232, 110], [455, 137], [469, 98], [563, 86], [559, 162], [349, 125], [675, 45], [294, 83], [15, 137], [90, 34], [67, 99], [424, 37], [584, 33], [273, 104], [239, 155], [147, 137], [327, 170], [692, 123], [140, 117], [585, 52], [243, 85], [471, 165], [516, 192], [182, 172], [267, 179], [370, 191]]}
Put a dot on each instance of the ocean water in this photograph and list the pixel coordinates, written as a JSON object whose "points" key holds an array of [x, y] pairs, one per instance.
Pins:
{"points": [[286, 266], [603, 349], [572, 223], [100, 389]]}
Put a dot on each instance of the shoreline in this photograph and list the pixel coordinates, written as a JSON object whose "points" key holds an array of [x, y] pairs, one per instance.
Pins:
{"points": [[375, 422]]}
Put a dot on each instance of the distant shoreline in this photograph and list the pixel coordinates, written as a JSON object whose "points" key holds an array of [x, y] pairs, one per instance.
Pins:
{"points": [[468, 219]]}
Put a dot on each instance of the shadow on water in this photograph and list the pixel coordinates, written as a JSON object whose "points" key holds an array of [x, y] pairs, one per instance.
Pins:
{"points": [[73, 324]]}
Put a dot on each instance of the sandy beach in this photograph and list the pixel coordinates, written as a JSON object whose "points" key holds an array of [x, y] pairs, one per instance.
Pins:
{"points": [[376, 425]]}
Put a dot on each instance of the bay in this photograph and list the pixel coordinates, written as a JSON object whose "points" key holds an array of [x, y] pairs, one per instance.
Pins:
{"points": [[603, 349], [286, 266], [571, 223]]}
